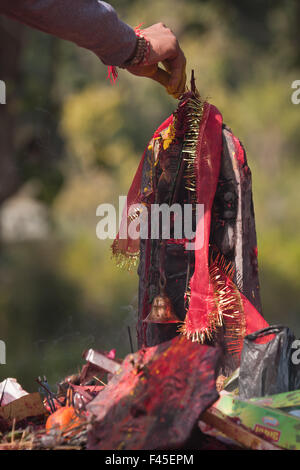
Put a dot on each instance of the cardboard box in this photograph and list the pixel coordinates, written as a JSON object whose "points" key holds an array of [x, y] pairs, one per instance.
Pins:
{"points": [[273, 424]]}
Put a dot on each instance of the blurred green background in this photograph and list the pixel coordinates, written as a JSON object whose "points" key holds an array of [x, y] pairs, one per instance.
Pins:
{"points": [[69, 141]]}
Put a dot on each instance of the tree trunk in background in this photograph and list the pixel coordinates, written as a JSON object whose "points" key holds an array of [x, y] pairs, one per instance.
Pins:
{"points": [[11, 45]]}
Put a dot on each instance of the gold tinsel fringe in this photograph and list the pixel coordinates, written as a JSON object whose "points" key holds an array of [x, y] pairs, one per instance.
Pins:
{"points": [[228, 309], [124, 261], [199, 336], [229, 300], [195, 107]]}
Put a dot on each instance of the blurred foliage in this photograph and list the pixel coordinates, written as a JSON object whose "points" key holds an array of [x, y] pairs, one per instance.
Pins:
{"points": [[78, 139]]}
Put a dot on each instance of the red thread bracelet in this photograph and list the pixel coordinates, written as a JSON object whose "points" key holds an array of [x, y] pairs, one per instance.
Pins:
{"points": [[140, 33], [112, 72]]}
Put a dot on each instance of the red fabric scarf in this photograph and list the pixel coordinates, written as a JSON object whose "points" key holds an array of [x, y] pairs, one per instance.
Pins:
{"points": [[214, 298]]}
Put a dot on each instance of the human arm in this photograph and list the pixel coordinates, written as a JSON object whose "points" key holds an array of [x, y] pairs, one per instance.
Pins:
{"points": [[91, 24]]}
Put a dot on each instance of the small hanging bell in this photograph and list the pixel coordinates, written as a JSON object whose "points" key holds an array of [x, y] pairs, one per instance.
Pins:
{"points": [[162, 310]]}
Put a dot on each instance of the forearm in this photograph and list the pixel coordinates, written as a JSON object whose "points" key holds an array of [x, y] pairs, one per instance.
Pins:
{"points": [[91, 24]]}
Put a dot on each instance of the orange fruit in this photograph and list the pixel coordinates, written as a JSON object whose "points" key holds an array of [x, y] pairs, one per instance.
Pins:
{"points": [[63, 419]]}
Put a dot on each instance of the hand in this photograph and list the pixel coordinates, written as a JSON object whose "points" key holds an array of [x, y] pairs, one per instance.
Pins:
{"points": [[164, 48]]}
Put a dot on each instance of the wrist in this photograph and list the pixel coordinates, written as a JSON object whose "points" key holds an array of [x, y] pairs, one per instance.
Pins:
{"points": [[133, 52], [141, 52]]}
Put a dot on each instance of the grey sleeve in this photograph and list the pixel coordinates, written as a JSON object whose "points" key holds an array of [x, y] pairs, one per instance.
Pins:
{"points": [[91, 24]]}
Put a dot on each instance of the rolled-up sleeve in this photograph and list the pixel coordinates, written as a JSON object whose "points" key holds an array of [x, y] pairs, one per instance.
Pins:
{"points": [[91, 24]]}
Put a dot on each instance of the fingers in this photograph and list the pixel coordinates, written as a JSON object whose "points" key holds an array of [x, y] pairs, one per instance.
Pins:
{"points": [[164, 48], [161, 76], [143, 70], [180, 90], [151, 71], [182, 86], [176, 68]]}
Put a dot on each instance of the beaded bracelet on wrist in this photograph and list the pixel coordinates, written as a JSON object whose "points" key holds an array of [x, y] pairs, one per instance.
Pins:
{"points": [[141, 55]]}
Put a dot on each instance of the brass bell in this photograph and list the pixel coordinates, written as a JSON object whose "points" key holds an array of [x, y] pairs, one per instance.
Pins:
{"points": [[162, 311]]}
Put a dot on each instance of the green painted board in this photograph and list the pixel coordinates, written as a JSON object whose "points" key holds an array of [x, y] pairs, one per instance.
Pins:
{"points": [[281, 400], [272, 424]]}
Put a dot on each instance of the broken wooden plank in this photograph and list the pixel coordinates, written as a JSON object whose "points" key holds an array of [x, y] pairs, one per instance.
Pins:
{"points": [[100, 360], [27, 406], [234, 431], [156, 397]]}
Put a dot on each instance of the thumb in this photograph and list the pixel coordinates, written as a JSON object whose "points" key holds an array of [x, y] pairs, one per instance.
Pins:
{"points": [[176, 68], [161, 76]]}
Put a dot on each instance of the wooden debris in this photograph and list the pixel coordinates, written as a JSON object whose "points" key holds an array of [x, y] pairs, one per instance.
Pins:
{"points": [[155, 398], [238, 433], [27, 406], [101, 361]]}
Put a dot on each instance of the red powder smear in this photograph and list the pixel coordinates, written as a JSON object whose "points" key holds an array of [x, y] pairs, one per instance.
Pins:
{"points": [[163, 126], [239, 153], [264, 339], [111, 354]]}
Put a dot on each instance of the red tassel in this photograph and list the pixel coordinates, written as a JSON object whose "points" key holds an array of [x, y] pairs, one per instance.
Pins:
{"points": [[137, 29], [112, 74]]}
